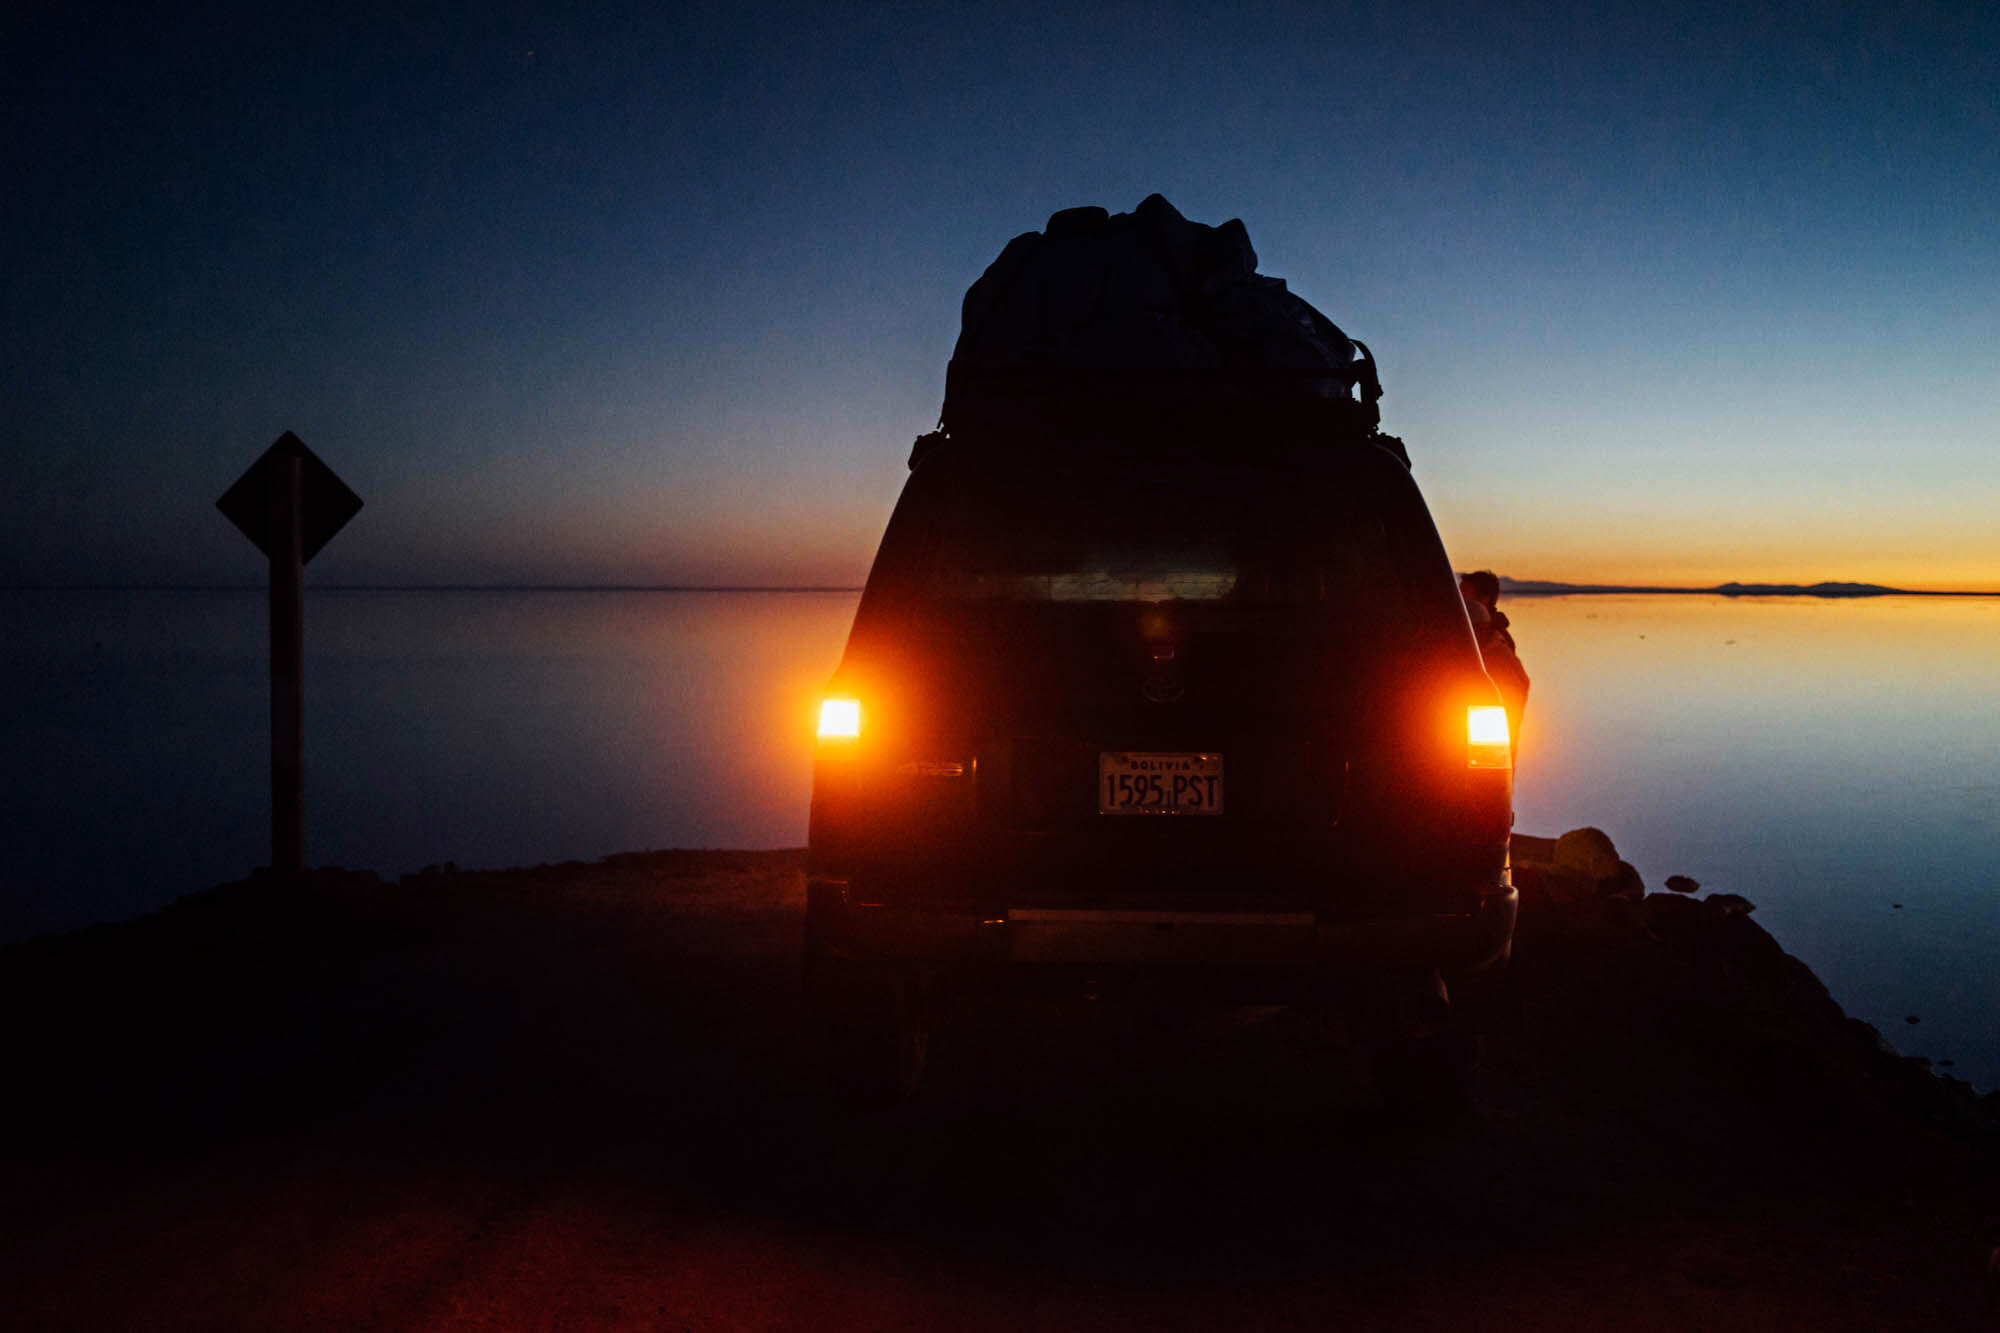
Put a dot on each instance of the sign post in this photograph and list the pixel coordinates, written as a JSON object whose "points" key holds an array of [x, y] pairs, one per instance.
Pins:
{"points": [[289, 504]]}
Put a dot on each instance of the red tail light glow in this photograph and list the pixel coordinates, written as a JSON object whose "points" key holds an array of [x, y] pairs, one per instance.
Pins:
{"points": [[1487, 743], [840, 719]]}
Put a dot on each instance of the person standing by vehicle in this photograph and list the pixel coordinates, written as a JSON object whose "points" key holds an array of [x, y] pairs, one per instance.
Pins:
{"points": [[1481, 591]]}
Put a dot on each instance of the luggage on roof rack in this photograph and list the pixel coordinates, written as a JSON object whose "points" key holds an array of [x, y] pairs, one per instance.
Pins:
{"points": [[1147, 322]]}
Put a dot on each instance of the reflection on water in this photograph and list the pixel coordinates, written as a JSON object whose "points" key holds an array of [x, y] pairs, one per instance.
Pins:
{"points": [[487, 728], [1826, 759]]}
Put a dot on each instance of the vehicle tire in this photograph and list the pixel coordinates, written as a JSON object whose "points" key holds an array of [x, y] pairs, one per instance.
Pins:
{"points": [[1426, 1079], [871, 1032]]}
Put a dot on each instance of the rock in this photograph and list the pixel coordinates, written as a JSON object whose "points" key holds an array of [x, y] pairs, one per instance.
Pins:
{"points": [[1625, 884], [1682, 883], [1666, 913], [1528, 877], [1544, 886], [1870, 1036], [1589, 852], [1728, 904], [1524, 849], [1911, 1018], [1621, 915], [1563, 886]]}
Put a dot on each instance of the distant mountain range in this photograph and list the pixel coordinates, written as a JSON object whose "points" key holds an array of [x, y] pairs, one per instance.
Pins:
{"points": [[1546, 588]]}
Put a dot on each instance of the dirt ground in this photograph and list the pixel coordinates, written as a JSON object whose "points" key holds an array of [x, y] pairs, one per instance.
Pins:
{"points": [[579, 1097]]}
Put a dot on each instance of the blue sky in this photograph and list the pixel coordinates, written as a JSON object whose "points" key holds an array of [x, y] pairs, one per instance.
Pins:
{"points": [[661, 295]]}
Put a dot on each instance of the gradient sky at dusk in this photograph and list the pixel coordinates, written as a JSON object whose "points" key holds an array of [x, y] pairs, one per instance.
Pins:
{"points": [[1660, 293]]}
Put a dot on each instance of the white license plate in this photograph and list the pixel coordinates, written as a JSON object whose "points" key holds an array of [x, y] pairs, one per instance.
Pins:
{"points": [[1158, 784]]}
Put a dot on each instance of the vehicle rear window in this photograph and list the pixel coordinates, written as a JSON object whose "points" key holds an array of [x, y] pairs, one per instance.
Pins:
{"points": [[1246, 537]]}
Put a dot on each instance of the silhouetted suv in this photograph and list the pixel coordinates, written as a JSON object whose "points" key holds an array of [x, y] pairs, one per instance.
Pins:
{"points": [[1148, 712]]}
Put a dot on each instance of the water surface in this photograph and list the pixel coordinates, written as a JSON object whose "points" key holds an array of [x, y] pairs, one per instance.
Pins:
{"points": [[485, 728], [1828, 759]]}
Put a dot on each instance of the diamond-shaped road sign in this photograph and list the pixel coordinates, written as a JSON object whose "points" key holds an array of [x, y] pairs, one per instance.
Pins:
{"points": [[325, 502]]}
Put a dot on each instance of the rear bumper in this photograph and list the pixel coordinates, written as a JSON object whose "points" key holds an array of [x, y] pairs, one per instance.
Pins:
{"points": [[1304, 944]]}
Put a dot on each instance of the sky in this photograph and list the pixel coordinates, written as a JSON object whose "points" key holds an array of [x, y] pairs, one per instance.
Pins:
{"points": [[661, 294]]}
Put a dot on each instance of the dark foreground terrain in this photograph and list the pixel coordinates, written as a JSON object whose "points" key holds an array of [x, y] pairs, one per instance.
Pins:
{"points": [[579, 1097]]}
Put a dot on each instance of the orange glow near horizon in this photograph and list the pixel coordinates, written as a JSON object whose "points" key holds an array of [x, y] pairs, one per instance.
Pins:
{"points": [[1684, 555], [1913, 575], [1644, 548], [821, 533], [726, 539], [1596, 653]]}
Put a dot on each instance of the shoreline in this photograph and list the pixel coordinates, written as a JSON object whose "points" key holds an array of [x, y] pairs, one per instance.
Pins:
{"points": [[1577, 880]]}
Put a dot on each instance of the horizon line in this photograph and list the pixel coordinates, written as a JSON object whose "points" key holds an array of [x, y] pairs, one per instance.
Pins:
{"points": [[436, 587], [1824, 588], [1517, 587]]}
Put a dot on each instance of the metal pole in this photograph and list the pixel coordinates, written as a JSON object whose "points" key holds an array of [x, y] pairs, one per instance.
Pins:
{"points": [[288, 651]]}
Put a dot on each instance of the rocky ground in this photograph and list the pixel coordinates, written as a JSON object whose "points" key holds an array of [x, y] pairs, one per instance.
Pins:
{"points": [[579, 1097]]}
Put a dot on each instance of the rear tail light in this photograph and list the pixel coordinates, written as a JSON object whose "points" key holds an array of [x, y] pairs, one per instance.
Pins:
{"points": [[839, 719], [1487, 743]]}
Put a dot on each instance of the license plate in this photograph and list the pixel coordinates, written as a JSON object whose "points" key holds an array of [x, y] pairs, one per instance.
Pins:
{"points": [[1158, 784]]}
